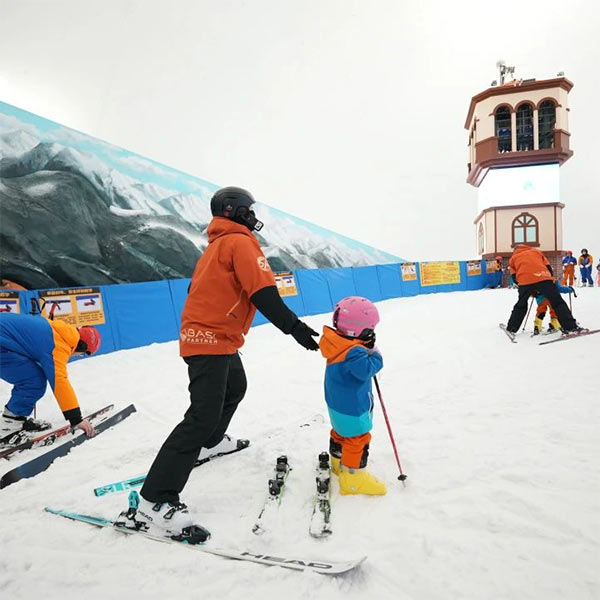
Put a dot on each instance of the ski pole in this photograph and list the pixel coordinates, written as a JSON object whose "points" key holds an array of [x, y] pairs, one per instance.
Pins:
{"points": [[528, 311], [402, 476], [570, 306]]}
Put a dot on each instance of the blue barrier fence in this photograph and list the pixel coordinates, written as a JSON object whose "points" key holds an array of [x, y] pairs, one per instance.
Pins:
{"points": [[138, 314]]}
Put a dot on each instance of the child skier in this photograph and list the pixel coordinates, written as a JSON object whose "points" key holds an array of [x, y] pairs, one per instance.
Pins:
{"points": [[568, 263], [586, 262], [352, 361], [542, 304]]}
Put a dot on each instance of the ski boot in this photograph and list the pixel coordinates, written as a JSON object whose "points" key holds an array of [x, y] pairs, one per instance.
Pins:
{"points": [[15, 429], [360, 481], [161, 519], [537, 326], [335, 465], [227, 445], [554, 326]]}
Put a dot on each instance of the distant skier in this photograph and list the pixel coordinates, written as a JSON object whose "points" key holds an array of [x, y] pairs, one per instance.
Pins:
{"points": [[34, 352], [543, 304], [586, 262], [352, 361], [533, 273], [598, 273], [231, 280], [568, 264], [497, 280]]}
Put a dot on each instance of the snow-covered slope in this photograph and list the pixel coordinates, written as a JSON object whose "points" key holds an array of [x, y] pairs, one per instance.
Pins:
{"points": [[499, 441]]}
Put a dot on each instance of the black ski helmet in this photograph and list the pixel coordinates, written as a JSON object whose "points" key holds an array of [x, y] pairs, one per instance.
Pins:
{"points": [[584, 251], [236, 204]]}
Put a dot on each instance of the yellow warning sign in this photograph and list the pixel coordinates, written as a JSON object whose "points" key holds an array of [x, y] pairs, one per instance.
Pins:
{"points": [[286, 283], [80, 306], [409, 271], [439, 273], [473, 267]]}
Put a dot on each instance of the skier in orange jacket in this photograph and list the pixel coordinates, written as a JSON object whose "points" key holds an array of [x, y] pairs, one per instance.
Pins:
{"points": [[231, 280], [533, 274]]}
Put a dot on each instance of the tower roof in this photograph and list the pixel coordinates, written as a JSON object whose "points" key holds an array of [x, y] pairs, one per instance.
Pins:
{"points": [[516, 86]]}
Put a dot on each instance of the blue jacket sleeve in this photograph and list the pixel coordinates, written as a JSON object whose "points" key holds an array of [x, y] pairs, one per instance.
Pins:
{"points": [[563, 289], [363, 365]]}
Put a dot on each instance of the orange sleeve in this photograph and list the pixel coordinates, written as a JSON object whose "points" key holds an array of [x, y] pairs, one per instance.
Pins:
{"points": [[63, 390], [250, 265], [65, 340]]}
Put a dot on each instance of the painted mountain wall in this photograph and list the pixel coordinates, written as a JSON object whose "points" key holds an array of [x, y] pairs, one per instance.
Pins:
{"points": [[75, 210]]}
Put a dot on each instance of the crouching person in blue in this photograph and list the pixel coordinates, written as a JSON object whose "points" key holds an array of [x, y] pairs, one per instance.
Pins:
{"points": [[33, 353]]}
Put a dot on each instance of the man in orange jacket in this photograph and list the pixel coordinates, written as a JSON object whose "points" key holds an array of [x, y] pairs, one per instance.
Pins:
{"points": [[533, 274], [231, 280]]}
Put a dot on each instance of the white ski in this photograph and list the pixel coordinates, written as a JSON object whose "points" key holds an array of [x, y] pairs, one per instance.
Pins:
{"points": [[325, 567], [320, 525]]}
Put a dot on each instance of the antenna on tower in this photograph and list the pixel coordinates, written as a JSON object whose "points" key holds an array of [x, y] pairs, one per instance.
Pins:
{"points": [[504, 70]]}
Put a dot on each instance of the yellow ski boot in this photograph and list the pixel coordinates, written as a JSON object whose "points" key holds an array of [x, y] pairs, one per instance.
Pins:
{"points": [[554, 325], [360, 481], [335, 465], [537, 326]]}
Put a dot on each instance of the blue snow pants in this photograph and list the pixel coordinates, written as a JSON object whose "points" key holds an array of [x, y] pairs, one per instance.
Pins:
{"points": [[586, 275], [28, 379]]}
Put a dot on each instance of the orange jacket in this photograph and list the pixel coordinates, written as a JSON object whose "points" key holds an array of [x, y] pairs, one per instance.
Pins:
{"points": [[582, 262], [529, 265], [218, 312]]}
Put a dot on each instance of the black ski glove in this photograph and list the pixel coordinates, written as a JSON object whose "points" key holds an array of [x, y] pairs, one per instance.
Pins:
{"points": [[303, 334], [369, 340]]}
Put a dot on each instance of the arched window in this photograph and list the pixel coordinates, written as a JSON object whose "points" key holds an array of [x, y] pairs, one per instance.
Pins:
{"points": [[480, 239], [525, 230], [503, 130], [525, 127], [546, 122]]}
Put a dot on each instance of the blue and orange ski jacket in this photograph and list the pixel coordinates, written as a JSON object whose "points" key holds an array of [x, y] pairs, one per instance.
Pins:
{"points": [[50, 344], [348, 392]]}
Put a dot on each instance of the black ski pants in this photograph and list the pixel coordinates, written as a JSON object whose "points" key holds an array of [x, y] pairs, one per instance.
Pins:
{"points": [[547, 288], [217, 385]]}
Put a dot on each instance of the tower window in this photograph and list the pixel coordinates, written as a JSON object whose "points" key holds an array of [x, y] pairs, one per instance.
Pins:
{"points": [[503, 129], [525, 230], [546, 121], [525, 127]]}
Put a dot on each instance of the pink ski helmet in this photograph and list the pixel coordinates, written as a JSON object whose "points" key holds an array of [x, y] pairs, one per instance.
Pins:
{"points": [[354, 314]]}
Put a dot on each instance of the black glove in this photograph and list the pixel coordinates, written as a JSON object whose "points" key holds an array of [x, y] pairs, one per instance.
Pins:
{"points": [[303, 334], [369, 340]]}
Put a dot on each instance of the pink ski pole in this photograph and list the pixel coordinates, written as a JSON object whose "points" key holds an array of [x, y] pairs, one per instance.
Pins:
{"points": [[402, 476]]}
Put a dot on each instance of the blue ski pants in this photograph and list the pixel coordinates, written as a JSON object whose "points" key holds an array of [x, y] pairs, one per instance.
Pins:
{"points": [[28, 379], [586, 275]]}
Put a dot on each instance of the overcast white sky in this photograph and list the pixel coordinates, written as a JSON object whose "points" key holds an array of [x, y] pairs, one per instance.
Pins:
{"points": [[343, 112]]}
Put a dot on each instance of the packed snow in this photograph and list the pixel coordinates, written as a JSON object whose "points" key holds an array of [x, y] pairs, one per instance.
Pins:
{"points": [[499, 441]]}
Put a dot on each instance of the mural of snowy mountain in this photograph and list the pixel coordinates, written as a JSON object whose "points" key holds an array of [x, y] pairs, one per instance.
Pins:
{"points": [[79, 211]]}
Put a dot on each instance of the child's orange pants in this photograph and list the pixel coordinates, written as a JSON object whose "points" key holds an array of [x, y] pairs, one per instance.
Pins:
{"points": [[353, 451], [568, 275], [541, 309]]}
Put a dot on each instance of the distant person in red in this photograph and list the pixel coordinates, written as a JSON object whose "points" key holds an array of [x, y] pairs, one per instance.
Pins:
{"points": [[568, 263], [533, 274]]}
